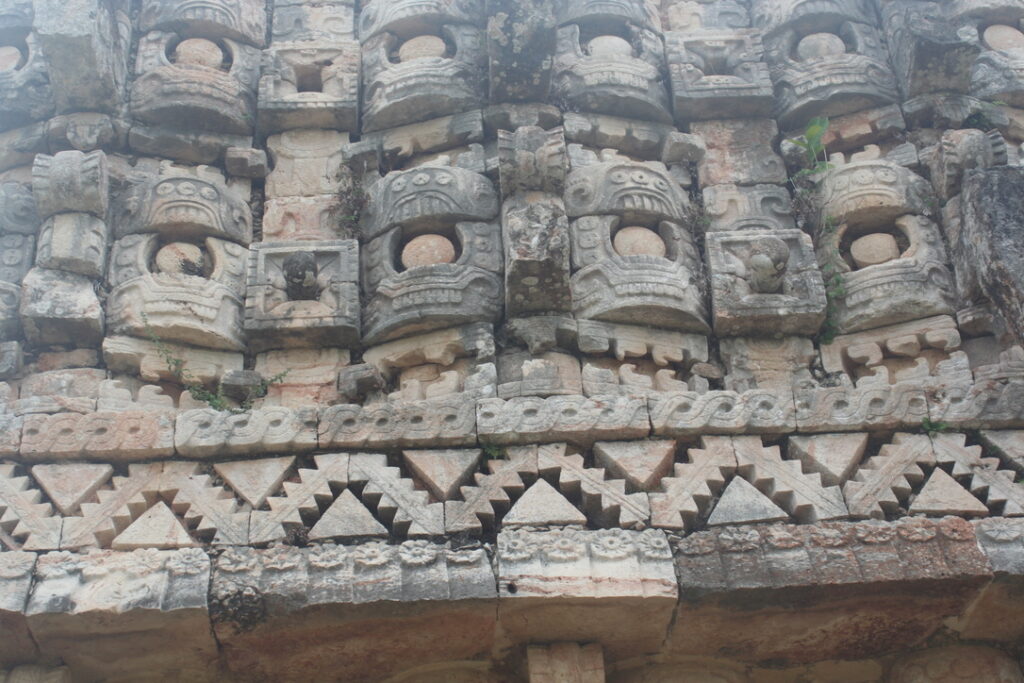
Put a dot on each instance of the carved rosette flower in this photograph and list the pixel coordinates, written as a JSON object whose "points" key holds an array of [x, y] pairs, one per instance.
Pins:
{"points": [[418, 553], [739, 539], [237, 560], [782, 538], [57, 565], [327, 556], [188, 562], [612, 544], [652, 545], [516, 546], [566, 546], [875, 533], [956, 529], [375, 554], [15, 565], [918, 531], [281, 559], [1001, 529]]}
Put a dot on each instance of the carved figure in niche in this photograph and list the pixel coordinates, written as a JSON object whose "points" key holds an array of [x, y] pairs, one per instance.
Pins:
{"points": [[633, 260], [211, 84], [303, 294], [410, 78], [824, 65], [186, 202], [718, 71], [25, 91], [188, 291], [618, 73], [765, 283]]}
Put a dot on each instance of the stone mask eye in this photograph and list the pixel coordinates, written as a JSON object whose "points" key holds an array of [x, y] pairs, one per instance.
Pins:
{"points": [[187, 189], [208, 193], [444, 179], [619, 177], [398, 185], [164, 189], [420, 179]]}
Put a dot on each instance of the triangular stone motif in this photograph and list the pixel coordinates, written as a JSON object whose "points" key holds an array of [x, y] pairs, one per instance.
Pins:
{"points": [[943, 495], [741, 503], [254, 480], [542, 504], [68, 486], [347, 517], [834, 456], [641, 463], [156, 528], [443, 471]]}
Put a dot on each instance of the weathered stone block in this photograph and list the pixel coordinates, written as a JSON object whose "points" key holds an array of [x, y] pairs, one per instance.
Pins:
{"points": [[845, 408], [25, 91], [111, 435], [310, 85], [141, 357], [520, 49], [575, 419], [205, 432], [244, 20], [535, 233], [723, 412], [16, 582], [71, 181], [757, 207], [60, 308], [74, 242], [448, 421], [739, 152]]}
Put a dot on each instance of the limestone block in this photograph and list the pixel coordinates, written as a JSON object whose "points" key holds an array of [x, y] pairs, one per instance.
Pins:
{"points": [[16, 580], [303, 293], [984, 255], [772, 16], [996, 74], [960, 151], [739, 152], [31, 524], [834, 456], [189, 291], [930, 52], [575, 419], [18, 213], [605, 74], [568, 662], [694, 15], [426, 196], [310, 375], [535, 233], [689, 413], [244, 20], [60, 308], [188, 146], [112, 435], [71, 181], [305, 163], [396, 146], [868, 191], [531, 158], [635, 378], [310, 85], [84, 606], [841, 69], [171, 87], [712, 72], [637, 288], [410, 510], [926, 350], [898, 580], [411, 17], [10, 322], [1000, 540], [141, 357], [753, 363], [765, 283], [304, 218], [916, 284], [520, 47], [844, 408], [10, 433], [442, 422], [985, 403], [299, 22], [25, 91], [205, 432], [185, 202], [86, 44], [245, 162], [520, 373], [634, 137], [952, 663], [11, 359], [406, 300], [379, 599], [20, 146], [757, 207], [55, 391], [630, 341], [442, 347], [612, 586], [128, 394], [411, 90], [16, 258], [73, 242]]}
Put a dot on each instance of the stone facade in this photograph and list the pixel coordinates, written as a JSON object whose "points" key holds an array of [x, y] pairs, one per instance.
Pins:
{"points": [[495, 341]]}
